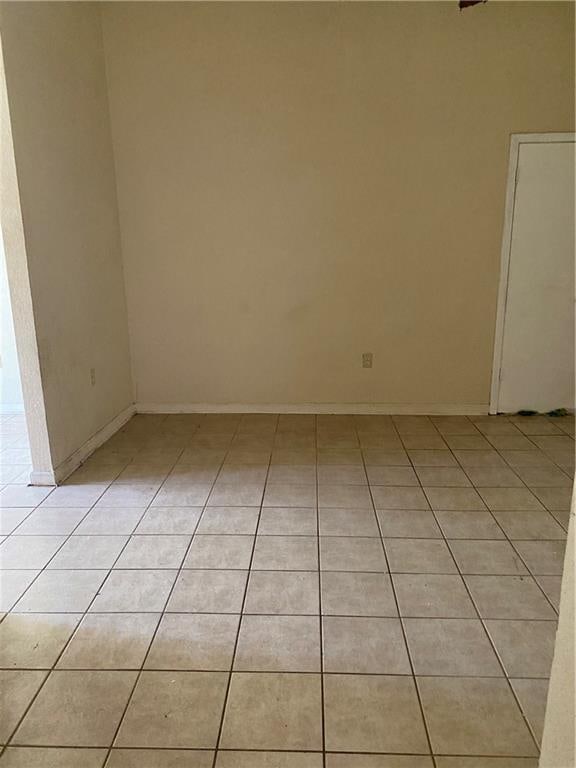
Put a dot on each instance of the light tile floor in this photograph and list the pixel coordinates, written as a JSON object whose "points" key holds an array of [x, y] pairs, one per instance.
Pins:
{"points": [[268, 591]]}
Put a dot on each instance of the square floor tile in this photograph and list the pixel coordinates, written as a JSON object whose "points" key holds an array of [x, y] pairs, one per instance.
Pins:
{"points": [[425, 458], [178, 495], [497, 557], [273, 711], [419, 556], [278, 644], [356, 496], [231, 520], [18, 689], [431, 441], [61, 592], [454, 498], [170, 520], [52, 757], [364, 645], [444, 477], [98, 552], [469, 525], [220, 551], [373, 713], [397, 476], [375, 458], [509, 498], [288, 521], [34, 641], [347, 522], [451, 647], [396, 497], [236, 495], [357, 594], [247, 759], [525, 647], [110, 641], [102, 520], [554, 499], [11, 517], [508, 597], [285, 553], [342, 474], [292, 474], [530, 525], [432, 595], [124, 495], [23, 495], [134, 591], [159, 713], [545, 558], [283, 592], [52, 521], [28, 551], [493, 477], [194, 641], [533, 696], [290, 495], [208, 591], [471, 716], [406, 523], [77, 709], [12, 586], [347, 760], [150, 551], [551, 586], [159, 758], [351, 553], [473, 458], [545, 477]]}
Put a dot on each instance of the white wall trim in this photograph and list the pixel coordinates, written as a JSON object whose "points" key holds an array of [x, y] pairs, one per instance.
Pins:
{"points": [[66, 467], [516, 140], [398, 409]]}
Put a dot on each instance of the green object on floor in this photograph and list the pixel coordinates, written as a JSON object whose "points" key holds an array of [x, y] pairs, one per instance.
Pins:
{"points": [[527, 413], [557, 412]]}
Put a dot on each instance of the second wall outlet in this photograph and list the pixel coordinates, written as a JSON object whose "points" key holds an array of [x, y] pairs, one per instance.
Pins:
{"points": [[367, 360]]}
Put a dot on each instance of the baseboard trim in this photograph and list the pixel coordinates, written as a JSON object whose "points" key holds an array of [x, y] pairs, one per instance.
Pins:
{"points": [[397, 409], [66, 467], [42, 478]]}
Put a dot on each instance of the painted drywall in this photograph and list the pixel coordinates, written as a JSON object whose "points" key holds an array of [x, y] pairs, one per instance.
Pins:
{"points": [[11, 398], [300, 183], [55, 73], [558, 743]]}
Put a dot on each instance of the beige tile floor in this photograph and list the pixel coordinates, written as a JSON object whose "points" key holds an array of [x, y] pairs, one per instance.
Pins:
{"points": [[268, 591]]}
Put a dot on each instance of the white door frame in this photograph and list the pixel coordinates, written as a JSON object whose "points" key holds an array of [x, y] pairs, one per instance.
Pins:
{"points": [[516, 140]]}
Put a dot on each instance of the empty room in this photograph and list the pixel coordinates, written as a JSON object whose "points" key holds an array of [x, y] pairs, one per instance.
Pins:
{"points": [[287, 384]]}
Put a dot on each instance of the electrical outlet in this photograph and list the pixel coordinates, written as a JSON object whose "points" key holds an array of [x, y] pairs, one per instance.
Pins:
{"points": [[93, 376], [367, 360]]}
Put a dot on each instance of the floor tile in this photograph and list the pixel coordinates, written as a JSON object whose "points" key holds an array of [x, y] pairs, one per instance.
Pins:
{"points": [[364, 645], [342, 456], [376, 458], [351, 553], [269, 760], [508, 597], [444, 477], [12, 585], [208, 591], [531, 458], [486, 762], [289, 495], [11, 517], [278, 644], [188, 641], [493, 477], [544, 558], [98, 552], [23, 495], [346, 496], [450, 647], [551, 586], [273, 711], [397, 476], [395, 497], [288, 521], [488, 458], [136, 495], [285, 553], [347, 522], [84, 495], [341, 474], [34, 641], [110, 641], [52, 757], [61, 592], [282, 592], [292, 474], [169, 520], [474, 442], [554, 499], [159, 712], [532, 695], [509, 498], [220, 551], [544, 477], [139, 591], [160, 758], [406, 523], [454, 498], [469, 716], [525, 647], [182, 496], [372, 713], [432, 595], [52, 521], [432, 441], [469, 525], [497, 557], [530, 525], [236, 495], [28, 551], [432, 458], [335, 760], [231, 520], [109, 521], [77, 709], [357, 594], [18, 689], [419, 556]]}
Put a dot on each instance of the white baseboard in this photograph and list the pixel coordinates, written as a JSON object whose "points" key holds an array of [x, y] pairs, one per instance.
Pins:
{"points": [[66, 467], [397, 409]]}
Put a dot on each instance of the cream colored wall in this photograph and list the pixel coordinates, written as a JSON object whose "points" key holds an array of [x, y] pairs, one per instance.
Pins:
{"points": [[57, 96], [301, 183]]}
